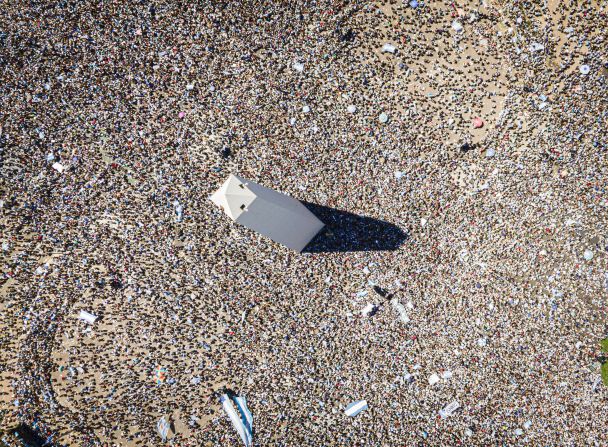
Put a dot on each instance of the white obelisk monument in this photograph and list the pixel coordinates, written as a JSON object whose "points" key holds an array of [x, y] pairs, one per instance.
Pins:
{"points": [[281, 218]]}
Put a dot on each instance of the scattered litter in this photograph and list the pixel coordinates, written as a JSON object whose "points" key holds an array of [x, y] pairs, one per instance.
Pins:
{"points": [[388, 48], [449, 409], [407, 377], [164, 427], [557, 293], [598, 380], [160, 375], [534, 47], [368, 309], [483, 187], [456, 26], [400, 310], [433, 379], [179, 211], [353, 409], [88, 317], [194, 421]]}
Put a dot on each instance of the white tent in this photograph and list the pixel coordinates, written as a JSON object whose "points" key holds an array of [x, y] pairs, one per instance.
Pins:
{"points": [[280, 217]]}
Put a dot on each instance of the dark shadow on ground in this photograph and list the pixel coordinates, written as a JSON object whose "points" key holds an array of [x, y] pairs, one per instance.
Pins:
{"points": [[346, 231], [27, 436]]}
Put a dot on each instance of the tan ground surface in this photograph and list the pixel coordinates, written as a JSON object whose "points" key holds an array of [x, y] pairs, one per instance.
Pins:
{"points": [[500, 247]]}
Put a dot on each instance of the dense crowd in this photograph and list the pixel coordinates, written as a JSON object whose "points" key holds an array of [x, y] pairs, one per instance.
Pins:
{"points": [[475, 145]]}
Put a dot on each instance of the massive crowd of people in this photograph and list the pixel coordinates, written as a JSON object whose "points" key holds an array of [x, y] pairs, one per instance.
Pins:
{"points": [[478, 134]]}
